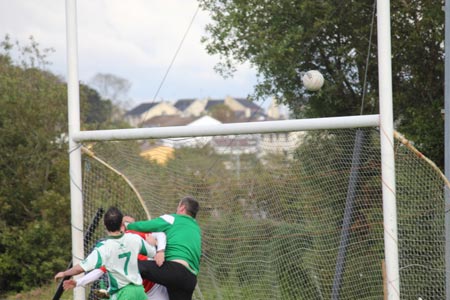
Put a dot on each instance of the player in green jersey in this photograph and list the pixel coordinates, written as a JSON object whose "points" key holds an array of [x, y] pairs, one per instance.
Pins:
{"points": [[183, 250]]}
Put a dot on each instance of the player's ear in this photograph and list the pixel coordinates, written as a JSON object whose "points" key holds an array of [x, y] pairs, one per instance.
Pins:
{"points": [[179, 208]]}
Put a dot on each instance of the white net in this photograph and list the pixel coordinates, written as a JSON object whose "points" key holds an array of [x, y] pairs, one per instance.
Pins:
{"points": [[294, 215]]}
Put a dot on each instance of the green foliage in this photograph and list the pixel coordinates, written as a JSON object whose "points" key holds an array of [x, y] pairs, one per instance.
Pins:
{"points": [[33, 175], [97, 110], [281, 39], [418, 72], [34, 180]]}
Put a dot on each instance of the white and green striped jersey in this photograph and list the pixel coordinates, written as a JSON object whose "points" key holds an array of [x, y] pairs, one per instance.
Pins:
{"points": [[119, 255]]}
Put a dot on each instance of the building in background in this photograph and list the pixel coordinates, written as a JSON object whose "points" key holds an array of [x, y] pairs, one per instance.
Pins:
{"points": [[138, 115], [227, 110], [204, 112], [191, 107]]}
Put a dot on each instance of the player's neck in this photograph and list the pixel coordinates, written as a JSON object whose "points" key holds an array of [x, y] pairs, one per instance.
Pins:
{"points": [[115, 233]]}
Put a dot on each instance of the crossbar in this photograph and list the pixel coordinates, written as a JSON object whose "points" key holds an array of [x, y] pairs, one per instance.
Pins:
{"points": [[227, 129]]}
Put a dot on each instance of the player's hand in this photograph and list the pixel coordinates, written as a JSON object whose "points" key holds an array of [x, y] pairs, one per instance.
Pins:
{"points": [[128, 219], [59, 275], [69, 284], [159, 258]]}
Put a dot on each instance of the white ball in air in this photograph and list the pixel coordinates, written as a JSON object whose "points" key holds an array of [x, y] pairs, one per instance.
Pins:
{"points": [[313, 80]]}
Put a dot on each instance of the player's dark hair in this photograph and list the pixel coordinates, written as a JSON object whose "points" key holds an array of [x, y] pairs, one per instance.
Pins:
{"points": [[113, 219], [191, 205]]}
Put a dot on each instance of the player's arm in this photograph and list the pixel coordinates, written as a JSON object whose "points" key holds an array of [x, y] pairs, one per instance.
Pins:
{"points": [[91, 262], [161, 247], [94, 259], [90, 277], [75, 270], [85, 280], [160, 240], [146, 249], [156, 225]]}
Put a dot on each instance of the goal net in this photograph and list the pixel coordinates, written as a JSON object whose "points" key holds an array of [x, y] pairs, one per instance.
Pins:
{"points": [[291, 215]]}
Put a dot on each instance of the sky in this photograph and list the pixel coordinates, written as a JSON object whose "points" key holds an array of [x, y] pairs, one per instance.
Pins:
{"points": [[135, 39]]}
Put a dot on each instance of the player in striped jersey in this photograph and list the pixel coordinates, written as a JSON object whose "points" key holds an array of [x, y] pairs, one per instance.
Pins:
{"points": [[153, 290], [119, 254]]}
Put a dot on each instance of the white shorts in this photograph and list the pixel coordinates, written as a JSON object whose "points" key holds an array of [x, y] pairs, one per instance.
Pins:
{"points": [[158, 292]]}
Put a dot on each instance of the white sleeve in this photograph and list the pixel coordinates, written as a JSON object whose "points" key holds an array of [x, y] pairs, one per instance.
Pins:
{"points": [[146, 248], [90, 277], [161, 240], [91, 261]]}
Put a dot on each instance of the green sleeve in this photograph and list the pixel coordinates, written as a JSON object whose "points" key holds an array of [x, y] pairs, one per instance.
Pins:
{"points": [[155, 225]]}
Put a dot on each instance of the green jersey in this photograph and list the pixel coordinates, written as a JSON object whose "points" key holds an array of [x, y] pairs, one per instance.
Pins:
{"points": [[119, 255], [183, 237]]}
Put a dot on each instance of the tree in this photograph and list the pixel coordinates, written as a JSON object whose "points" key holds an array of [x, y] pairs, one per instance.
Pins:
{"points": [[282, 39], [98, 112], [34, 166], [418, 68], [115, 89], [33, 170], [112, 87]]}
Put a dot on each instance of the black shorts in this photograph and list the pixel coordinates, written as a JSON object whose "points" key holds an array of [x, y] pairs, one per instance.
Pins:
{"points": [[179, 281]]}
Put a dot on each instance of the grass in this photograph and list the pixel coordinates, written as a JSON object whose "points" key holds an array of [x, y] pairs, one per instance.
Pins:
{"points": [[45, 292]]}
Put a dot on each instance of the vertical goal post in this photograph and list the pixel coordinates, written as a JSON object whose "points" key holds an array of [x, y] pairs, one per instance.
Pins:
{"points": [[384, 121], [387, 149], [73, 96]]}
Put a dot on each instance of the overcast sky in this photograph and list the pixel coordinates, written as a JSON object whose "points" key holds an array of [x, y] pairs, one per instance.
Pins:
{"points": [[132, 39]]}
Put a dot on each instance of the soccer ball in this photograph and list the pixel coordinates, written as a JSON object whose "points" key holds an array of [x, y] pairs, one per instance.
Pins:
{"points": [[313, 80]]}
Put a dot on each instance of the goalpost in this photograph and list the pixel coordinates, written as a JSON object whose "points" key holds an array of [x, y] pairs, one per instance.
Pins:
{"points": [[384, 121]]}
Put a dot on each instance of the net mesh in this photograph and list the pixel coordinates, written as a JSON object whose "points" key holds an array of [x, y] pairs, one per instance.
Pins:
{"points": [[294, 215]]}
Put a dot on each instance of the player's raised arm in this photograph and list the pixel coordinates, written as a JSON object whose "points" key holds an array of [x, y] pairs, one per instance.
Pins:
{"points": [[77, 269]]}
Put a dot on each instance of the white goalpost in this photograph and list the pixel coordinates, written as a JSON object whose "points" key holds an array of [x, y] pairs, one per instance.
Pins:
{"points": [[226, 129], [384, 121], [387, 149], [76, 197]]}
